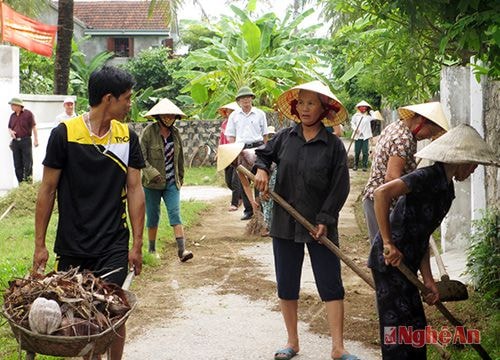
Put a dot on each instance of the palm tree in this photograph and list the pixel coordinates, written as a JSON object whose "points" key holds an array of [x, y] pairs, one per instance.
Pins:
{"points": [[63, 47], [30, 8]]}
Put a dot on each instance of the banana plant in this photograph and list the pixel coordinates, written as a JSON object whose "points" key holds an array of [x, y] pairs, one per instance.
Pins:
{"points": [[81, 68], [267, 54]]}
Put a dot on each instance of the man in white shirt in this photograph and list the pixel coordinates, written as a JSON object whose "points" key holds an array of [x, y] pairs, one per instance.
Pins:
{"points": [[69, 110], [247, 125], [361, 133]]}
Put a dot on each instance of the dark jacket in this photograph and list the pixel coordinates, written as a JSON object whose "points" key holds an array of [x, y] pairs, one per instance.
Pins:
{"points": [[153, 152]]}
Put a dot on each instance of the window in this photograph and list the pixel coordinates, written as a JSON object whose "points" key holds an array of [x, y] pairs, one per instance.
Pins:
{"points": [[122, 47]]}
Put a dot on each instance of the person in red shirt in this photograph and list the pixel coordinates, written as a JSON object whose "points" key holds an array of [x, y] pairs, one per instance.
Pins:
{"points": [[21, 127]]}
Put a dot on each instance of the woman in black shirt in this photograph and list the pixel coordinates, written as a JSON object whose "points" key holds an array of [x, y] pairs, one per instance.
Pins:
{"points": [[313, 177]]}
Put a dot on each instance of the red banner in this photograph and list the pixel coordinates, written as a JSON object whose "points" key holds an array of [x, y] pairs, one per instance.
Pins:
{"points": [[27, 33]]}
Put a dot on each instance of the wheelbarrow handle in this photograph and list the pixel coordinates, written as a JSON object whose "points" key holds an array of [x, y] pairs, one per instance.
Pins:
{"points": [[440, 306], [128, 280]]}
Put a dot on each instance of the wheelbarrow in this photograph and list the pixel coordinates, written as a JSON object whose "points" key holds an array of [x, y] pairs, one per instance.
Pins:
{"points": [[70, 346]]}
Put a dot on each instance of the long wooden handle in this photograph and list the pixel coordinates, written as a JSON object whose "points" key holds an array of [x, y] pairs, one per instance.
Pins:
{"points": [[439, 260], [440, 306], [330, 245], [304, 222]]}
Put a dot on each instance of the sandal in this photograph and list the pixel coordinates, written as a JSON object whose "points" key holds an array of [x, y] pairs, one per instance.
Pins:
{"points": [[347, 357], [232, 208], [285, 354]]}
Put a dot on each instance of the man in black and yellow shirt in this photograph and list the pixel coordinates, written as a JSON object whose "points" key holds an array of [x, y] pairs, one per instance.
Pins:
{"points": [[93, 163]]}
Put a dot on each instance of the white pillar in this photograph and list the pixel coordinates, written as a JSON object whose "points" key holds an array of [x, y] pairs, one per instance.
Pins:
{"points": [[9, 87], [455, 98], [478, 187]]}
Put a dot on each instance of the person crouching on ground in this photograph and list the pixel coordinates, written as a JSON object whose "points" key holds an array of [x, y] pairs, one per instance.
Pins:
{"points": [[163, 175], [425, 196], [313, 176]]}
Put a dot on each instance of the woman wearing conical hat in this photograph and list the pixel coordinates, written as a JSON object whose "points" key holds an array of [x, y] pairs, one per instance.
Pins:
{"points": [[395, 149], [424, 197], [312, 175], [163, 175], [361, 133]]}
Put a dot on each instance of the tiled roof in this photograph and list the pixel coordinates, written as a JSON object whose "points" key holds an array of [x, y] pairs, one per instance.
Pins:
{"points": [[111, 15]]}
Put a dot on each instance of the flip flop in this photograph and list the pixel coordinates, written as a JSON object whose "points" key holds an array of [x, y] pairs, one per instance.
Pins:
{"points": [[285, 354], [347, 357]]}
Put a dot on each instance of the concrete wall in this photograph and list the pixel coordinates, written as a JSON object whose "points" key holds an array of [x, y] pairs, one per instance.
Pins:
{"points": [[9, 87], [491, 103], [455, 92]]}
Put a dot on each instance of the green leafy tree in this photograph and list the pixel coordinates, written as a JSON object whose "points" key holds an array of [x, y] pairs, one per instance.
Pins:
{"points": [[153, 69], [267, 54], [401, 45], [81, 68], [483, 256], [35, 73], [195, 35], [30, 8]]}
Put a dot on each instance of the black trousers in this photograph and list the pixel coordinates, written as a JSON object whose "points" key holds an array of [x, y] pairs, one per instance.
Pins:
{"points": [[399, 305], [233, 183], [22, 154]]}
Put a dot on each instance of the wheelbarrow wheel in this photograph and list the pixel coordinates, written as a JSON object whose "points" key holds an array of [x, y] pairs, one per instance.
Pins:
{"points": [[30, 355]]}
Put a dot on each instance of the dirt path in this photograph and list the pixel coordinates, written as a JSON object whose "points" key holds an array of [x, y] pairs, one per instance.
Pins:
{"points": [[223, 305]]}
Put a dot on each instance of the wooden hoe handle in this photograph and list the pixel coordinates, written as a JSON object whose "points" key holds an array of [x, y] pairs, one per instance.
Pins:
{"points": [[440, 306], [329, 244]]}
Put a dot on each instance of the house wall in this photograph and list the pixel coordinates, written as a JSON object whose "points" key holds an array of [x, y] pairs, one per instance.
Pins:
{"points": [[99, 43]]}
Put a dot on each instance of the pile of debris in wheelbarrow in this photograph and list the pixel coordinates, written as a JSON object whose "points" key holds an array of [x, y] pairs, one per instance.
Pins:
{"points": [[67, 313]]}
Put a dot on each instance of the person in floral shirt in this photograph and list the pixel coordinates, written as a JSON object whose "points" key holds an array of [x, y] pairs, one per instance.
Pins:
{"points": [[396, 147]]}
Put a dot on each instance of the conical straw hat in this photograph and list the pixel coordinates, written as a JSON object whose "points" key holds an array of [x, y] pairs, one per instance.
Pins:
{"points": [[363, 103], [377, 115], [164, 107], [432, 111], [285, 100], [227, 153], [460, 145], [231, 106]]}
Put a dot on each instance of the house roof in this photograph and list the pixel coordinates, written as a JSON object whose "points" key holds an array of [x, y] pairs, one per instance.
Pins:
{"points": [[123, 15]]}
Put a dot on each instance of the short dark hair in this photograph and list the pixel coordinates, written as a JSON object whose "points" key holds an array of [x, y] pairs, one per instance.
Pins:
{"points": [[108, 80]]}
